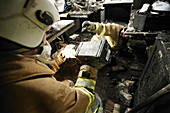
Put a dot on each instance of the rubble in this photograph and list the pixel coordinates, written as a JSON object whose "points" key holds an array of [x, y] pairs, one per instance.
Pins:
{"points": [[125, 97], [80, 7], [116, 108], [118, 68], [127, 110], [74, 36], [123, 92], [109, 106]]}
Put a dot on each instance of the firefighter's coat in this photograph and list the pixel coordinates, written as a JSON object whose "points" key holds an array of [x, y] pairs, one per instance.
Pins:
{"points": [[27, 86]]}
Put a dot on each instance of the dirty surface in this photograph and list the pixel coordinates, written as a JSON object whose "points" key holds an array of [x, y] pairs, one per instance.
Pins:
{"points": [[127, 64]]}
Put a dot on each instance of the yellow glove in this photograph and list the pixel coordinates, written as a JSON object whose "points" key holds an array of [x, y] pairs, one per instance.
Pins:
{"points": [[87, 71], [87, 77], [88, 26], [59, 59]]}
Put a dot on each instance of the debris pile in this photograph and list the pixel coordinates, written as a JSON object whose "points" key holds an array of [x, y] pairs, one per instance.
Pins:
{"points": [[82, 7]]}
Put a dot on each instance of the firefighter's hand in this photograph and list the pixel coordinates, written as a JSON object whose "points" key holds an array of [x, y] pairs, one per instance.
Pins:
{"points": [[123, 35], [87, 78], [59, 59], [88, 26], [87, 71]]}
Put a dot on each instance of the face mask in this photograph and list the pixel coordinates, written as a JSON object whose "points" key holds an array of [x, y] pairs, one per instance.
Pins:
{"points": [[46, 53]]}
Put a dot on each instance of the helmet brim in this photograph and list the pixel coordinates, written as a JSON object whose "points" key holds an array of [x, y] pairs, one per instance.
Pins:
{"points": [[25, 32]]}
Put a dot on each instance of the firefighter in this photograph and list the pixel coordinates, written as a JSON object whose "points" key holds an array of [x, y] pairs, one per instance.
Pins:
{"points": [[27, 84], [112, 32]]}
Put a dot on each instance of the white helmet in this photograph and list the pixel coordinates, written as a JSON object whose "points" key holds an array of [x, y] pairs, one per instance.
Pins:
{"points": [[26, 21]]}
